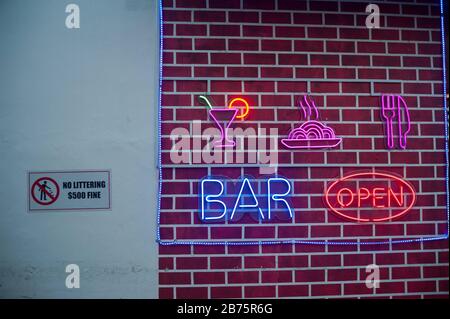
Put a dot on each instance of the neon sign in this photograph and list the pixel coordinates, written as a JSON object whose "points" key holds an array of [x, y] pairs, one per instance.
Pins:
{"points": [[216, 199], [394, 106], [370, 197], [311, 134], [224, 117]]}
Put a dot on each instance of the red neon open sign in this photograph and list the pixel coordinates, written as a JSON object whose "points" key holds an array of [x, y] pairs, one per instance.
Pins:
{"points": [[370, 197]]}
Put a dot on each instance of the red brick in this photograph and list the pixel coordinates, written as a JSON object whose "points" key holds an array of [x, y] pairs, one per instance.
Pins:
{"points": [[323, 59], [165, 293], [428, 48], [342, 274], [259, 232], [435, 271], [191, 86], [168, 58], [289, 32], [293, 87], [192, 292], [242, 72], [191, 29], [209, 16], [385, 34], [324, 87], [357, 230], [325, 290], [225, 263], [226, 86], [371, 47], [165, 263], [209, 71], [292, 59], [259, 86], [257, 31], [226, 292], [209, 278], [259, 58], [355, 87], [209, 250], [259, 291], [293, 291], [360, 259], [309, 275], [224, 30], [402, 48], [192, 58], [226, 232], [276, 17], [323, 5], [177, 44], [321, 32], [430, 75], [242, 45], [309, 72], [396, 21], [339, 19], [292, 231], [387, 87], [176, 71], [276, 45], [386, 60], [292, 261], [421, 286], [259, 261], [307, 18], [243, 16], [257, 4], [210, 44], [325, 260], [192, 233], [276, 276], [417, 88], [174, 278], [414, 35], [390, 259], [276, 72], [239, 277], [371, 73], [405, 272], [429, 23], [402, 74], [225, 4], [421, 229], [353, 33], [340, 46], [291, 5], [308, 45], [168, 29], [176, 15], [225, 58], [357, 60], [390, 230], [277, 249], [416, 61]]}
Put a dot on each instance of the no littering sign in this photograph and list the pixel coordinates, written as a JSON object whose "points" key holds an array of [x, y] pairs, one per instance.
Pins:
{"points": [[69, 190]]}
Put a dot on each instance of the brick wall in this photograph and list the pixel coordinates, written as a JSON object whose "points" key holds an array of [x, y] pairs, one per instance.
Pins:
{"points": [[272, 52]]}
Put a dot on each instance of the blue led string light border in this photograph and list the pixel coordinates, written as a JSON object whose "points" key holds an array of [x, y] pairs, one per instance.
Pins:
{"points": [[297, 241]]}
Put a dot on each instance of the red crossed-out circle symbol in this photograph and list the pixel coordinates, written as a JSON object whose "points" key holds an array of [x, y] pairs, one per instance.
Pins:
{"points": [[48, 191]]}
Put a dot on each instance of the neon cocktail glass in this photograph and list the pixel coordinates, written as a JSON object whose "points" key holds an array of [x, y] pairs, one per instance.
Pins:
{"points": [[223, 118]]}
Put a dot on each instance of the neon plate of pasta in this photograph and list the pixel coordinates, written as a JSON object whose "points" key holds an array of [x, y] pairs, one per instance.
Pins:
{"points": [[311, 134]]}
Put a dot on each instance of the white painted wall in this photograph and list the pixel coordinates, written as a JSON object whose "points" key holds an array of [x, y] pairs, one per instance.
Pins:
{"points": [[79, 99]]}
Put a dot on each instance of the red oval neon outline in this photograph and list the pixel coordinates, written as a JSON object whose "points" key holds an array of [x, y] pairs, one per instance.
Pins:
{"points": [[403, 212]]}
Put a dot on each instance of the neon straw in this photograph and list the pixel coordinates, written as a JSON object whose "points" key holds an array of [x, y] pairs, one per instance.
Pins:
{"points": [[204, 99]]}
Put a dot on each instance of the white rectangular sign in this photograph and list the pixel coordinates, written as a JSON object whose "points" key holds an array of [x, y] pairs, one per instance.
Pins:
{"points": [[69, 190]]}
